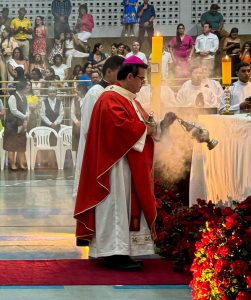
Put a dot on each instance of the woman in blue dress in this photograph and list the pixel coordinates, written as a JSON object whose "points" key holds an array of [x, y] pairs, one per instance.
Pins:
{"points": [[129, 16]]}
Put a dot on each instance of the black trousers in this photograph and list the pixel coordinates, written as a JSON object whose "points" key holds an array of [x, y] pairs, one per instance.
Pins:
{"points": [[60, 27], [150, 32]]}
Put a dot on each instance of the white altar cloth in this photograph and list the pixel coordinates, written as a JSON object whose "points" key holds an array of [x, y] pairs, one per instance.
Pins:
{"points": [[223, 173]]}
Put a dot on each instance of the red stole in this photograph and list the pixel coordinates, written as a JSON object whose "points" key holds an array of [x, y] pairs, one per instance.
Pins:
{"points": [[114, 129]]}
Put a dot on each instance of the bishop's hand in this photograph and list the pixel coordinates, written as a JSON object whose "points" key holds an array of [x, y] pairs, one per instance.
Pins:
{"points": [[168, 120]]}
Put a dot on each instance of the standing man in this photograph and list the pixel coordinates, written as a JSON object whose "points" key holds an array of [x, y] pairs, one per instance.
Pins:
{"points": [[5, 17], [240, 91], [146, 14], [22, 28], [115, 205], [206, 46], [61, 10], [215, 19], [136, 51], [110, 71]]}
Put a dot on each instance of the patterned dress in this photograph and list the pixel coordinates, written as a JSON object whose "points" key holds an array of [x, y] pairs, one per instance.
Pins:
{"points": [[39, 44], [130, 14]]}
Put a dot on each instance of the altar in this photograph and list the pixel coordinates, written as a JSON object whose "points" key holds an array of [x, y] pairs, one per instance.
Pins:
{"points": [[223, 173]]}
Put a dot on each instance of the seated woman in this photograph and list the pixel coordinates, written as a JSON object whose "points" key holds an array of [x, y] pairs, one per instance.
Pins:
{"points": [[84, 24], [97, 57], [86, 76], [14, 139], [59, 67], [38, 63], [77, 71], [245, 54], [70, 50], [7, 45], [51, 79], [37, 81], [17, 60]]}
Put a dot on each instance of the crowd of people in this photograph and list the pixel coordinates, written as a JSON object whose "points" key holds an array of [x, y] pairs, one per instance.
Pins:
{"points": [[26, 57]]}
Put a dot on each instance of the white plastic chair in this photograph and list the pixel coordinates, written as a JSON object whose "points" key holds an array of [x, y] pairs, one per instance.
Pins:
{"points": [[65, 136], [40, 140], [3, 158]]}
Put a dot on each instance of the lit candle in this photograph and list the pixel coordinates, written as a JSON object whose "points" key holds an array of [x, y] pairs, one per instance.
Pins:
{"points": [[157, 48], [226, 70]]}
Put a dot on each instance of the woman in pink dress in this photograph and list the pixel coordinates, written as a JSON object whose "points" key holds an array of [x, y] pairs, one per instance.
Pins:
{"points": [[40, 34], [181, 48]]}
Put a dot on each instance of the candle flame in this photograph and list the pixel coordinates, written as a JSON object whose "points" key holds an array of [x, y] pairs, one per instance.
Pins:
{"points": [[157, 34]]}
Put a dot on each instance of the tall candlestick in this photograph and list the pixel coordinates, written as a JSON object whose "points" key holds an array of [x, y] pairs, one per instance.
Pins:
{"points": [[226, 81], [156, 62], [226, 70], [157, 48]]}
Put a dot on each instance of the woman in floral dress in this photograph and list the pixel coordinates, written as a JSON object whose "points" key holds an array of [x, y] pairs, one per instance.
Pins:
{"points": [[40, 34]]}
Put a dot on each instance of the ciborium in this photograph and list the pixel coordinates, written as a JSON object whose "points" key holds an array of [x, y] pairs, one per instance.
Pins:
{"points": [[200, 134]]}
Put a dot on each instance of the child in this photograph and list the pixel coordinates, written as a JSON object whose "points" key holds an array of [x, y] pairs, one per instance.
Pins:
{"points": [[129, 16]]}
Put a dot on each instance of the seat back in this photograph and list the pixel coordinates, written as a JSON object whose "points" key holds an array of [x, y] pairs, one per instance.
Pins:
{"points": [[40, 136], [66, 135]]}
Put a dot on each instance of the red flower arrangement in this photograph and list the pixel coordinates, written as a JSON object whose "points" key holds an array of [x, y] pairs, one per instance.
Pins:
{"points": [[177, 226], [222, 265]]}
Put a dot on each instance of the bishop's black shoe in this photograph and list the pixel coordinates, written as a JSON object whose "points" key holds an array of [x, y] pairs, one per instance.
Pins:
{"points": [[122, 263], [82, 243]]}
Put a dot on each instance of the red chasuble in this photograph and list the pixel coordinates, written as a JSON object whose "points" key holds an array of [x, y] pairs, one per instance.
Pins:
{"points": [[113, 131]]}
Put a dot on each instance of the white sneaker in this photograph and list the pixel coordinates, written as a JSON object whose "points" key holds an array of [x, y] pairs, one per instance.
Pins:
{"points": [[132, 34], [126, 34]]}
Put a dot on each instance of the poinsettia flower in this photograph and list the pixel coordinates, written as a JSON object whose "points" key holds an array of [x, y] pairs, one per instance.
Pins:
{"points": [[232, 221], [220, 264], [243, 296], [223, 250], [234, 240], [158, 203], [248, 280], [227, 211], [239, 267]]}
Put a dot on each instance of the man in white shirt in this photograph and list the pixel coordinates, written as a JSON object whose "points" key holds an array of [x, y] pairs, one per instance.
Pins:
{"points": [[136, 51], [194, 94], [206, 46], [240, 91], [110, 70]]}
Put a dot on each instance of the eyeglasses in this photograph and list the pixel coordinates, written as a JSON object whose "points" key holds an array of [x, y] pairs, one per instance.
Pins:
{"points": [[142, 78]]}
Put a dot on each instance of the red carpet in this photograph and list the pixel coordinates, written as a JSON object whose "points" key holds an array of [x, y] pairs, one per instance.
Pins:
{"points": [[86, 272]]}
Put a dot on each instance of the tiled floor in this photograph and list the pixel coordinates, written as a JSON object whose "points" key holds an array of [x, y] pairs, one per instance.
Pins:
{"points": [[36, 221]]}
